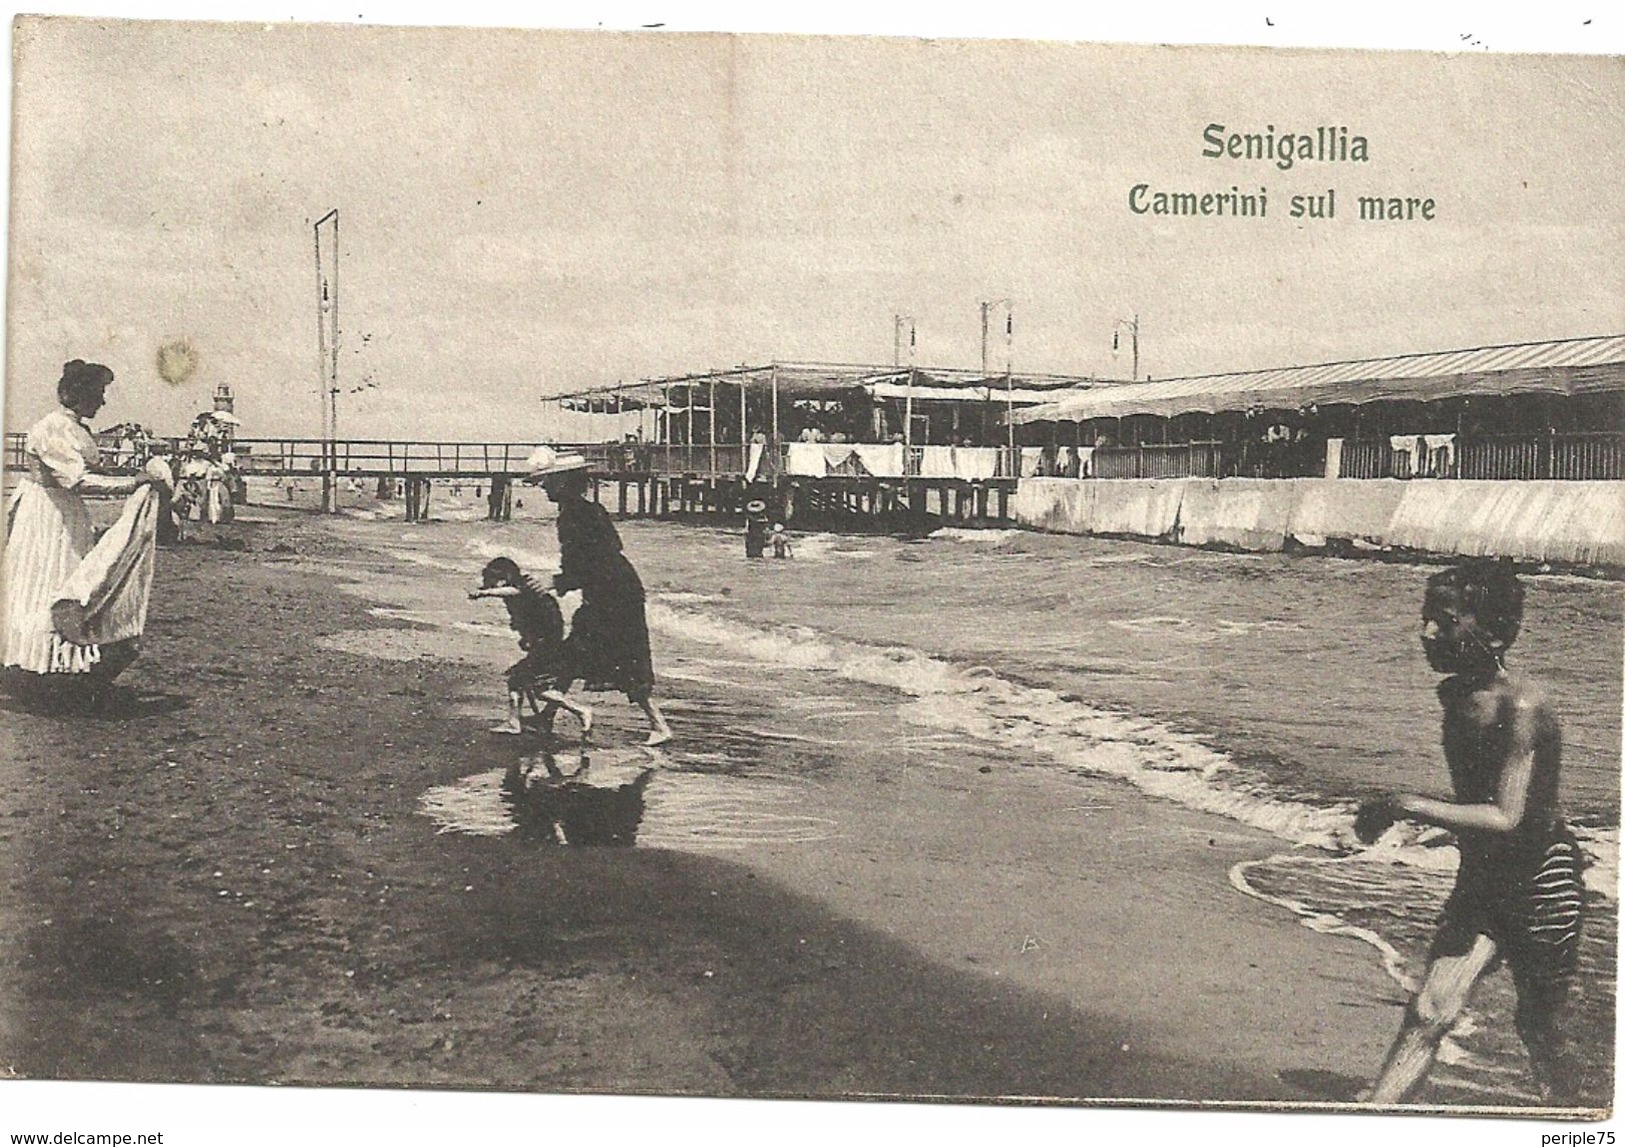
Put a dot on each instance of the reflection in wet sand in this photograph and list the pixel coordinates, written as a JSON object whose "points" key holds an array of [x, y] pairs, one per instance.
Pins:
{"points": [[558, 808], [687, 810]]}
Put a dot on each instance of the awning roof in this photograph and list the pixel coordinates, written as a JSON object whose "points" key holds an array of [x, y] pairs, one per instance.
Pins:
{"points": [[1566, 367], [821, 380]]}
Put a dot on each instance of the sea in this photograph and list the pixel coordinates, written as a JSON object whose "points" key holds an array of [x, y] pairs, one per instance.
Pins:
{"points": [[1274, 690]]}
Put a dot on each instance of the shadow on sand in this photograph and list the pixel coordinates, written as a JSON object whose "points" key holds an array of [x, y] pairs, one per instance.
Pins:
{"points": [[789, 998], [87, 699]]}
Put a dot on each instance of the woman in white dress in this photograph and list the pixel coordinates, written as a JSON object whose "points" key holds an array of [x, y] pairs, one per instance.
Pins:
{"points": [[217, 505], [48, 533]]}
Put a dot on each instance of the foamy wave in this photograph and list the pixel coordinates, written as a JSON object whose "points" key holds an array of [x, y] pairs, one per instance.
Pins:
{"points": [[413, 557], [960, 534], [1428, 847], [537, 563], [1326, 923], [372, 513], [979, 703], [827, 547], [1158, 760], [439, 620]]}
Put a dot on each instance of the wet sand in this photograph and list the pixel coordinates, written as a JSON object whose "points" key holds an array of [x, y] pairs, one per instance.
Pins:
{"points": [[229, 877]]}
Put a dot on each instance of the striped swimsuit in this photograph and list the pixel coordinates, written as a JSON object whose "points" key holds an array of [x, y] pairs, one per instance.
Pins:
{"points": [[1526, 895]]}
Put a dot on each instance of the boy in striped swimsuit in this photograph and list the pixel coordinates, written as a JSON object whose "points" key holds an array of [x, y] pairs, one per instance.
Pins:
{"points": [[1518, 894]]}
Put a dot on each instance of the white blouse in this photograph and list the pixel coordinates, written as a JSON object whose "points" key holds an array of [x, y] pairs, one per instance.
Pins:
{"points": [[63, 445]]}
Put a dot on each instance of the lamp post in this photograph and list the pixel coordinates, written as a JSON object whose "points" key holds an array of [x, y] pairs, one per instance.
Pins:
{"points": [[1133, 326], [1009, 384], [327, 345], [898, 322]]}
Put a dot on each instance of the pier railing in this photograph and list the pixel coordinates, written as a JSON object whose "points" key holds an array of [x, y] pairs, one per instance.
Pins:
{"points": [[666, 458], [352, 457], [1566, 456], [369, 457], [1596, 456], [1185, 460]]}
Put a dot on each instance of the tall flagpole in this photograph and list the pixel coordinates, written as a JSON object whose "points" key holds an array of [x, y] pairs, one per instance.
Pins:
{"points": [[908, 405], [327, 343], [333, 384], [897, 360], [321, 339], [1009, 383], [1009, 379]]}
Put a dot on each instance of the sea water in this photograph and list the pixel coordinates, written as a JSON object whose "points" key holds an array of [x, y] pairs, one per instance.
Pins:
{"points": [[1274, 690]]}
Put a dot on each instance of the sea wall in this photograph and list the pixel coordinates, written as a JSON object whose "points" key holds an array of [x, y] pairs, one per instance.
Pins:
{"points": [[1580, 523]]}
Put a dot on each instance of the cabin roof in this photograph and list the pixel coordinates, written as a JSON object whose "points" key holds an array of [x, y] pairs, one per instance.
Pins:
{"points": [[1561, 367]]}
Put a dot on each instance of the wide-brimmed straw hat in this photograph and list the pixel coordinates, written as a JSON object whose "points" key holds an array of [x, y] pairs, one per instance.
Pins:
{"points": [[545, 461], [756, 507]]}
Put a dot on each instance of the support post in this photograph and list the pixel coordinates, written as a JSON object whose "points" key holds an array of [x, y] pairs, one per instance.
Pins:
{"points": [[775, 439]]}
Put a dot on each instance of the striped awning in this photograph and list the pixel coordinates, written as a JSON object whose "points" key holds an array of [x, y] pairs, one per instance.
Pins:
{"points": [[1563, 367], [794, 380]]}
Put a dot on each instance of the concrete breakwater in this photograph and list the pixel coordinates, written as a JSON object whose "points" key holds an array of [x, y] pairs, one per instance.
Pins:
{"points": [[1573, 523]]}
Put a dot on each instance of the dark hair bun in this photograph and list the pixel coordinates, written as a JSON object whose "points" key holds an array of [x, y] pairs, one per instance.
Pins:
{"points": [[80, 379]]}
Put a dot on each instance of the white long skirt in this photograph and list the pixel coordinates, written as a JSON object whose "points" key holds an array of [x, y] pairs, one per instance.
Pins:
{"points": [[48, 534], [217, 500]]}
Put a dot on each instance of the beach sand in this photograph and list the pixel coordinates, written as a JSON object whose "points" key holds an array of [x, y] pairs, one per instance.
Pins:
{"points": [[229, 877]]}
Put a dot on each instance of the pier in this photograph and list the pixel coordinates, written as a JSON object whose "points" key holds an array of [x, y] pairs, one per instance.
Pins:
{"points": [[647, 480]]}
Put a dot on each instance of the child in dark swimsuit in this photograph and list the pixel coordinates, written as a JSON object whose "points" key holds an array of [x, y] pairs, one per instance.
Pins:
{"points": [[1518, 895], [534, 615]]}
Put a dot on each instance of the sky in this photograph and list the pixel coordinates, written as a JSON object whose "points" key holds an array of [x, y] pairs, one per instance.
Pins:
{"points": [[528, 212]]}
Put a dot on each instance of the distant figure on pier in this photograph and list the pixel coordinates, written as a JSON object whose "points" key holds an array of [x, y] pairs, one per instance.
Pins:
{"points": [[499, 502], [1518, 894], [608, 645], [417, 499], [781, 542], [755, 528], [217, 503]]}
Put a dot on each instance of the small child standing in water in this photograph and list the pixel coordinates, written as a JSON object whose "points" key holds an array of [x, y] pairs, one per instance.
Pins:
{"points": [[534, 615], [781, 543]]}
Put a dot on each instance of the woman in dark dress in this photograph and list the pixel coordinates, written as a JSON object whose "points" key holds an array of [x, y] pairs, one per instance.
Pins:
{"points": [[608, 645]]}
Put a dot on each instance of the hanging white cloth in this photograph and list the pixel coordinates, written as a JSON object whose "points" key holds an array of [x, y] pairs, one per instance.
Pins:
{"points": [[976, 463], [936, 461], [1334, 457], [806, 459], [883, 460], [1441, 454], [1406, 461]]}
